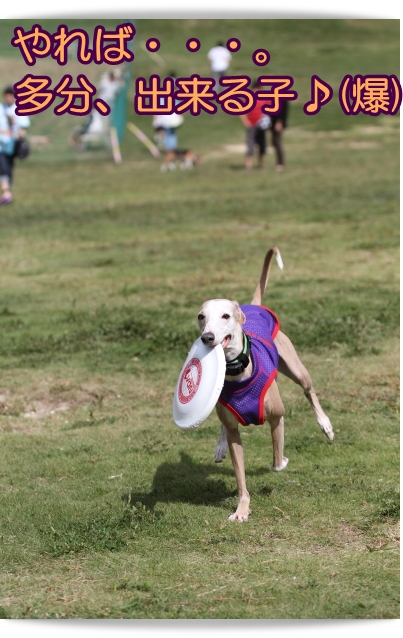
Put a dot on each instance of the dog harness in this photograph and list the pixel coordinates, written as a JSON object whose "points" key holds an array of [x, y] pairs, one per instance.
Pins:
{"points": [[245, 399]]}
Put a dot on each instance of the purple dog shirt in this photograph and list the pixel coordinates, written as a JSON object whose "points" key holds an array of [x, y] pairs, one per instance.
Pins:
{"points": [[245, 399]]}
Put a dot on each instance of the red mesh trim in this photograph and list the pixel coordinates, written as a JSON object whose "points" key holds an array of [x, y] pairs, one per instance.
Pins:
{"points": [[234, 412], [277, 328], [262, 395]]}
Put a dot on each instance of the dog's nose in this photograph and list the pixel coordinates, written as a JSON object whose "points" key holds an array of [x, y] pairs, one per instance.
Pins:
{"points": [[208, 338]]}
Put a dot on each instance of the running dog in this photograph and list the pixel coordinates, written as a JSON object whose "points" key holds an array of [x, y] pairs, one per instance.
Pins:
{"points": [[255, 350], [185, 159]]}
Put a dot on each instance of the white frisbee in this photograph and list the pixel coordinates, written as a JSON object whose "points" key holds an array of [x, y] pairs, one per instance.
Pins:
{"points": [[199, 385]]}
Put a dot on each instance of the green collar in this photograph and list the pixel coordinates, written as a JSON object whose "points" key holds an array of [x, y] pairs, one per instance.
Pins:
{"points": [[237, 366]]}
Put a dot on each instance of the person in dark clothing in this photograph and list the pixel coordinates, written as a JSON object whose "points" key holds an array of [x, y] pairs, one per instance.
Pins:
{"points": [[256, 123], [279, 123]]}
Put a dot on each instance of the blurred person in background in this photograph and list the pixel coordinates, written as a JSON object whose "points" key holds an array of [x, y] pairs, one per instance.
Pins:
{"points": [[165, 126], [279, 122], [256, 123], [12, 128], [109, 86], [220, 59]]}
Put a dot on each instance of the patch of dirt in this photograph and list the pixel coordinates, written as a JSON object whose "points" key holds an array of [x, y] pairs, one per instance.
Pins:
{"points": [[371, 130], [234, 148], [359, 145], [351, 537], [378, 390], [227, 149], [355, 145], [47, 399], [318, 549], [345, 536], [393, 534]]}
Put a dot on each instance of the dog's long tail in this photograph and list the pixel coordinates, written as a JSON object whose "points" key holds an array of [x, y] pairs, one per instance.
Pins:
{"points": [[261, 287]]}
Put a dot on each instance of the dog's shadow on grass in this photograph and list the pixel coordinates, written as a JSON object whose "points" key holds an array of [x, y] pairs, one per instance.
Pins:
{"points": [[188, 481]]}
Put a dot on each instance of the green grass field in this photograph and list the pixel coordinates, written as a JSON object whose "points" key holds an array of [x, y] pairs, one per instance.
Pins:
{"points": [[108, 510]]}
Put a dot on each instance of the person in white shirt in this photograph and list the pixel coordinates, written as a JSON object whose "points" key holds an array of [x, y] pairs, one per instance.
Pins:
{"points": [[110, 84], [220, 59], [165, 126], [12, 128]]}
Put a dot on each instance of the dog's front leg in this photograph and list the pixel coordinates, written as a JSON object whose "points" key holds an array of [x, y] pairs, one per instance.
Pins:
{"points": [[236, 452]]}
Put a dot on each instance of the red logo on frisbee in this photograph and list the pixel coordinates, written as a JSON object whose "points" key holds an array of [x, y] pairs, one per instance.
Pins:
{"points": [[190, 381]]}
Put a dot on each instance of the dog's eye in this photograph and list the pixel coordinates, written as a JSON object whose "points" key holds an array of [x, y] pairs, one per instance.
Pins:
{"points": [[225, 316], [200, 317]]}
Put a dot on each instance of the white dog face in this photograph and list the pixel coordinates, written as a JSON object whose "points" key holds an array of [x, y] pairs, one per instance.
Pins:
{"points": [[220, 322]]}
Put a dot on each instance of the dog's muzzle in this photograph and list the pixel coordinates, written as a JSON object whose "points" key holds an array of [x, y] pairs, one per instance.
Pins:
{"points": [[208, 338]]}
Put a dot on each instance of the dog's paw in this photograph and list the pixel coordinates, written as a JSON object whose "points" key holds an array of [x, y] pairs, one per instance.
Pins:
{"points": [[220, 453], [326, 427], [239, 516], [283, 465]]}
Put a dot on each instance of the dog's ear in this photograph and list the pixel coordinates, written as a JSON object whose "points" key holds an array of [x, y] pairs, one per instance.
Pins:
{"points": [[238, 314]]}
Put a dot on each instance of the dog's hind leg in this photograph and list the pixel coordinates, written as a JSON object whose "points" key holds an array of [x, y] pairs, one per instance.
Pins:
{"points": [[291, 366], [274, 414], [277, 433], [222, 446]]}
